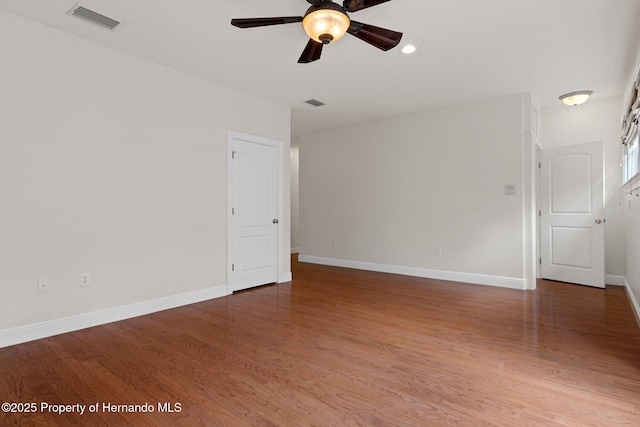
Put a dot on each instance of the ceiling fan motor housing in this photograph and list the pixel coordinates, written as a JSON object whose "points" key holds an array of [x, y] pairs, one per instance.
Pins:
{"points": [[326, 22]]}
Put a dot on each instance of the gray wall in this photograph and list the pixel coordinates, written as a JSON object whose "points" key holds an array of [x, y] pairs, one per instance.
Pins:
{"points": [[113, 166], [388, 193]]}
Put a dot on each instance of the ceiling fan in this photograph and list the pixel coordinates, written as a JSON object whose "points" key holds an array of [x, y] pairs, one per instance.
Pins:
{"points": [[326, 22]]}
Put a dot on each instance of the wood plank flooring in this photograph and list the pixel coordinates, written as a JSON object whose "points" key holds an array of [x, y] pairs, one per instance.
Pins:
{"points": [[339, 347]]}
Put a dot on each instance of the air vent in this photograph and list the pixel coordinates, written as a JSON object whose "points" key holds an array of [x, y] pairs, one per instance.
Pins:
{"points": [[95, 17], [315, 102]]}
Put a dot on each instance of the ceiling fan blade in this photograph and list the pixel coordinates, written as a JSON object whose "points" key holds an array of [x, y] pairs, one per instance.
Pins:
{"points": [[356, 5], [263, 22], [311, 52], [379, 37]]}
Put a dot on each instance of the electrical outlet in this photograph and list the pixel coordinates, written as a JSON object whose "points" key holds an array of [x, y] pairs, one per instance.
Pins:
{"points": [[335, 243], [43, 285], [84, 279], [438, 251]]}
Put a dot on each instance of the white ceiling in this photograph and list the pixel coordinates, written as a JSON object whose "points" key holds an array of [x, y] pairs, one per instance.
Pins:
{"points": [[468, 50]]}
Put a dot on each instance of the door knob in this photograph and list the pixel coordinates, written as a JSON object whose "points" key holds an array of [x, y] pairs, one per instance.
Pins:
{"points": [[275, 221], [598, 221]]}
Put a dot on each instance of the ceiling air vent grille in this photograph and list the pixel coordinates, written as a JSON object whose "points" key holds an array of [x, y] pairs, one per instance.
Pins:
{"points": [[95, 17], [315, 102]]}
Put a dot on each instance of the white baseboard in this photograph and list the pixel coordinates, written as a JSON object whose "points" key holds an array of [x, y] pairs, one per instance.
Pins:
{"points": [[612, 280], [40, 330], [479, 279], [295, 250], [285, 277], [634, 301]]}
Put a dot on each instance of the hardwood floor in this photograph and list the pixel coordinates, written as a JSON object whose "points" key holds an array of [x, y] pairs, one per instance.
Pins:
{"points": [[339, 347]]}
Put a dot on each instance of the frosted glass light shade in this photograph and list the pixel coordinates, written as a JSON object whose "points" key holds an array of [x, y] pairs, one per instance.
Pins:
{"points": [[326, 25], [576, 98]]}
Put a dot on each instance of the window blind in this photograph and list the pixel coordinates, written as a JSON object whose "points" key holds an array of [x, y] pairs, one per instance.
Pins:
{"points": [[631, 113], [630, 136]]}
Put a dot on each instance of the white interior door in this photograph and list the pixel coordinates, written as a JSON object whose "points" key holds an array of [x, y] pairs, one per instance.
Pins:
{"points": [[572, 209], [254, 222]]}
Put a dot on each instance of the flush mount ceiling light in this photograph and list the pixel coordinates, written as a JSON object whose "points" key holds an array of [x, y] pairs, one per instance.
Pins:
{"points": [[576, 98]]}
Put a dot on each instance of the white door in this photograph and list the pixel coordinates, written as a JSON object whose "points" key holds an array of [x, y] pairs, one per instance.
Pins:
{"points": [[572, 209], [253, 233]]}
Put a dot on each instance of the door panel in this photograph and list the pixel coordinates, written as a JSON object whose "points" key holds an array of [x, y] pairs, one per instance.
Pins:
{"points": [[571, 247], [255, 253], [572, 205], [571, 184], [254, 199], [254, 191]]}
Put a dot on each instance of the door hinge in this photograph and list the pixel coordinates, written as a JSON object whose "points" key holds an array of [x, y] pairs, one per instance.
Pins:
{"points": [[233, 211], [539, 165], [233, 154], [233, 267], [540, 261], [540, 212]]}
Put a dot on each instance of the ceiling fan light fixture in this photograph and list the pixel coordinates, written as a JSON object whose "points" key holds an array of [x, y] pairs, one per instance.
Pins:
{"points": [[326, 23], [576, 98]]}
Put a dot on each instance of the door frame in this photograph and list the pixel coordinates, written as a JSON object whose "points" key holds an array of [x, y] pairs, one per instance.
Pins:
{"points": [[279, 146], [538, 212]]}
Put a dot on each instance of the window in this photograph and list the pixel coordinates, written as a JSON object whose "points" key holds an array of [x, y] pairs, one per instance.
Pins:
{"points": [[631, 135], [630, 159]]}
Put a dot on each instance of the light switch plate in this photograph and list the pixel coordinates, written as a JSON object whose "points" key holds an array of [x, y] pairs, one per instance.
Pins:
{"points": [[510, 190]]}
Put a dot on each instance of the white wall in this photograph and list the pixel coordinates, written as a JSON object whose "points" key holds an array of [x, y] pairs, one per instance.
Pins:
{"points": [[596, 120], [387, 193], [116, 167]]}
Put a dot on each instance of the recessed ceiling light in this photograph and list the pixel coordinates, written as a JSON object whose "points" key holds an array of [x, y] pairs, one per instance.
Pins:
{"points": [[409, 49]]}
